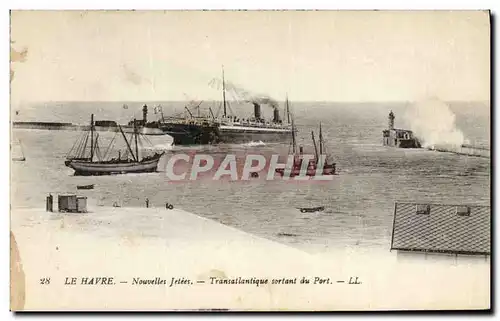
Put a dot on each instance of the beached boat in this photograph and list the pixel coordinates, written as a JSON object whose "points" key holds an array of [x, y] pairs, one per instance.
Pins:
{"points": [[96, 164]]}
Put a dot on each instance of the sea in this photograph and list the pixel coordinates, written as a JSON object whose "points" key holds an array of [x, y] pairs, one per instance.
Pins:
{"points": [[359, 201]]}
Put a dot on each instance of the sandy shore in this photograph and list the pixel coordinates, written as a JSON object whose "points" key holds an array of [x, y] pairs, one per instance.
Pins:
{"points": [[104, 243]]}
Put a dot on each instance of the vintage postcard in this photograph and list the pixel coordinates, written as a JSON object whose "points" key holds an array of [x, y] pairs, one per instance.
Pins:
{"points": [[250, 160]]}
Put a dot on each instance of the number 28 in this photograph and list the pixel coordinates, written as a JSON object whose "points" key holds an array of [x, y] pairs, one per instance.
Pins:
{"points": [[45, 281]]}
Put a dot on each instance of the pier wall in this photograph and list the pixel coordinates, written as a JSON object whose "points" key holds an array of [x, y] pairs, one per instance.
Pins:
{"points": [[465, 149], [75, 127], [47, 126]]}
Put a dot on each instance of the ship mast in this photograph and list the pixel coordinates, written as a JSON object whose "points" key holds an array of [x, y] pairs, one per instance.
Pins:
{"points": [[320, 140], [223, 91], [126, 141], [315, 147], [287, 111], [136, 144], [294, 142], [91, 137], [22, 150]]}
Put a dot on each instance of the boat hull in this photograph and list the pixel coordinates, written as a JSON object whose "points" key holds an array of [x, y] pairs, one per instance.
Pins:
{"points": [[86, 168], [328, 169], [85, 186], [311, 209]]}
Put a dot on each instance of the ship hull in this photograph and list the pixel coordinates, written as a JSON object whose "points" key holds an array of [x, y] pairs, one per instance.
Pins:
{"points": [[233, 134], [192, 134], [87, 168]]}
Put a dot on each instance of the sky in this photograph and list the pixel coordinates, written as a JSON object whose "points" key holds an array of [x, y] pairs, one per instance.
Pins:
{"points": [[356, 56]]}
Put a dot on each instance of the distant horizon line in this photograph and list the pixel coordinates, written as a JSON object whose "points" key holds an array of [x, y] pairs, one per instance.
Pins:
{"points": [[277, 100]]}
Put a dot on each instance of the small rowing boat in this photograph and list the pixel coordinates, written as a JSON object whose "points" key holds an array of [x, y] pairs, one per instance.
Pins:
{"points": [[311, 209], [91, 186]]}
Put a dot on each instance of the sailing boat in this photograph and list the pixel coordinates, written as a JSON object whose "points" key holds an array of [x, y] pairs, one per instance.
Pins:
{"points": [[329, 168], [17, 153], [297, 158], [87, 165]]}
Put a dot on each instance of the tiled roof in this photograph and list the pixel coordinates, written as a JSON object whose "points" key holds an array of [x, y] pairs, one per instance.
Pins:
{"points": [[455, 229]]}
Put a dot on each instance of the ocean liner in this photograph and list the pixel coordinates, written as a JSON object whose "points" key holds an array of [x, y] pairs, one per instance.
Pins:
{"points": [[230, 128], [190, 130]]}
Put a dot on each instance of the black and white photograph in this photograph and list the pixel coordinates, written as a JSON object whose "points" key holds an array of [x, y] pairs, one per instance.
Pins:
{"points": [[250, 160]]}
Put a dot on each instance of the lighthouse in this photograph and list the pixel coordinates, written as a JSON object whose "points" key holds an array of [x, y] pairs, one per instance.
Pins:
{"points": [[391, 120], [145, 114], [402, 138]]}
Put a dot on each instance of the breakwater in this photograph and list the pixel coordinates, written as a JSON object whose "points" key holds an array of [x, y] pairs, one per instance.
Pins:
{"points": [[48, 126], [69, 126], [464, 149]]}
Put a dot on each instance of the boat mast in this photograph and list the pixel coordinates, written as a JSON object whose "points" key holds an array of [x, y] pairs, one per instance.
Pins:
{"points": [[294, 142], [159, 108], [224, 91], [287, 111], [136, 144], [315, 147], [91, 137], [22, 150], [320, 140], [126, 141], [190, 114]]}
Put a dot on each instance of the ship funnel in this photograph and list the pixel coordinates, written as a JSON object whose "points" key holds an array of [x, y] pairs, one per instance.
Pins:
{"points": [[256, 110], [276, 117], [145, 113]]}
